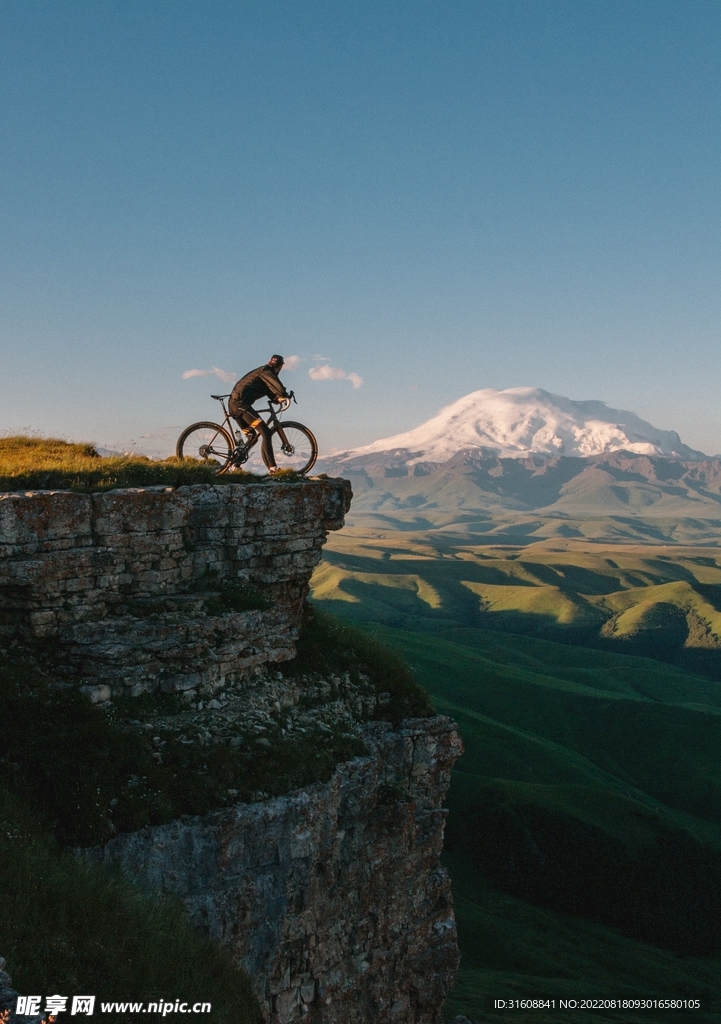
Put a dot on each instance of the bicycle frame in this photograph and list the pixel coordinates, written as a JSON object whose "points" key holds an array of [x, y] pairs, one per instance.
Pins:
{"points": [[243, 444]]}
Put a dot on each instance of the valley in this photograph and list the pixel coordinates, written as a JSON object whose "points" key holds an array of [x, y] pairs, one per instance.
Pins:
{"points": [[584, 837]]}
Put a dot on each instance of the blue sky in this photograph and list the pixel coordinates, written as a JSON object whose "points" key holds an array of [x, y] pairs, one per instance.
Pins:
{"points": [[435, 197]]}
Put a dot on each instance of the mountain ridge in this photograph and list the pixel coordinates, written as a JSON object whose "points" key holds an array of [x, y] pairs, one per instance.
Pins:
{"points": [[614, 484]]}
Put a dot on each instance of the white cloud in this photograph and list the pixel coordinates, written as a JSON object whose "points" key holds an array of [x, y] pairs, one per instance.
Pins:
{"points": [[292, 363], [215, 371], [327, 372]]}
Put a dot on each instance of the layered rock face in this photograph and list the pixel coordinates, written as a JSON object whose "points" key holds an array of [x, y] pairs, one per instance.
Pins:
{"points": [[332, 897], [121, 581]]}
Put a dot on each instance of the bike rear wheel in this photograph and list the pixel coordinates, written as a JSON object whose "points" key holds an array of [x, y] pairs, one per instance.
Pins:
{"points": [[294, 447], [206, 442]]}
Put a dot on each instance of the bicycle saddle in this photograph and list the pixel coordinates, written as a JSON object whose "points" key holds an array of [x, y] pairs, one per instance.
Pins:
{"points": [[219, 397]]}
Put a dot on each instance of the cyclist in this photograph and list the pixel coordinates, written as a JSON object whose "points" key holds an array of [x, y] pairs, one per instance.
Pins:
{"points": [[260, 383]]}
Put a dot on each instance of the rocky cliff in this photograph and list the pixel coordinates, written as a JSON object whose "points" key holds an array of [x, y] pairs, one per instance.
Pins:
{"points": [[331, 896], [123, 582]]}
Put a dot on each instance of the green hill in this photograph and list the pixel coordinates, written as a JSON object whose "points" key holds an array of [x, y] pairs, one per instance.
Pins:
{"points": [[544, 714], [585, 817], [664, 601]]}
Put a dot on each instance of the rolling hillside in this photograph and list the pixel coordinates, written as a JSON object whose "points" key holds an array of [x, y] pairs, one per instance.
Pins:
{"points": [[584, 837], [664, 602]]}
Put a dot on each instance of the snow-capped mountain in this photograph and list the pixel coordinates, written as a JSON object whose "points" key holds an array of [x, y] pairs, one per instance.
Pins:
{"points": [[520, 421]]}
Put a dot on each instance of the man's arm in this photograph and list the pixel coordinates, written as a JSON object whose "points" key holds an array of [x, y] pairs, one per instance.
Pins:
{"points": [[274, 385]]}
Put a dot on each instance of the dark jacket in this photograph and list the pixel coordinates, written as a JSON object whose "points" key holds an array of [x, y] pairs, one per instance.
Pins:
{"points": [[260, 383]]}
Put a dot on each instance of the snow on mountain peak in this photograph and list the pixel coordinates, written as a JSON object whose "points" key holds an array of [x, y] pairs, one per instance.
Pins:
{"points": [[515, 422]]}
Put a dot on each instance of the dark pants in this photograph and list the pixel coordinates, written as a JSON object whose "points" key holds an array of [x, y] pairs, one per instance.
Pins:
{"points": [[250, 418]]}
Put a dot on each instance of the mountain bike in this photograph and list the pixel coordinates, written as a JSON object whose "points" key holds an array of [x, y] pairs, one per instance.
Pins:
{"points": [[230, 448]]}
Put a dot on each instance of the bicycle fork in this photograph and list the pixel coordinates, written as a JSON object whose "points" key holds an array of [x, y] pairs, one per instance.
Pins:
{"points": [[283, 439]]}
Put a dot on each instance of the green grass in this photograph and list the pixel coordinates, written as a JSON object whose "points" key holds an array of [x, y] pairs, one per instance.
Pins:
{"points": [[546, 713], [30, 463], [71, 928], [663, 603]]}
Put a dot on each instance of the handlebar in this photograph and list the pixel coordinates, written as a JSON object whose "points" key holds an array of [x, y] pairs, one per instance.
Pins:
{"points": [[284, 403]]}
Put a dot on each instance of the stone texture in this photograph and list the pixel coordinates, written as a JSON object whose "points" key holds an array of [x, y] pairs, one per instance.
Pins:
{"points": [[175, 654], [265, 707], [77, 568], [332, 897]]}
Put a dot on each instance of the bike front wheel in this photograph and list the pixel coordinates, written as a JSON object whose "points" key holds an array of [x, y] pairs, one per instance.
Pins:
{"points": [[206, 442], [294, 447]]}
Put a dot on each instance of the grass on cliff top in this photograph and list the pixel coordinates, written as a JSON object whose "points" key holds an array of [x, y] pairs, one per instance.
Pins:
{"points": [[34, 463], [73, 928]]}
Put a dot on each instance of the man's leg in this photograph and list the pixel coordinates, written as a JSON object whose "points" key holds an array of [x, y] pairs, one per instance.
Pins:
{"points": [[250, 418], [267, 449]]}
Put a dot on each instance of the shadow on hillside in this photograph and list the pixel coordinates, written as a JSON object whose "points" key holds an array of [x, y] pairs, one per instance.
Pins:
{"points": [[665, 632], [666, 892]]}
